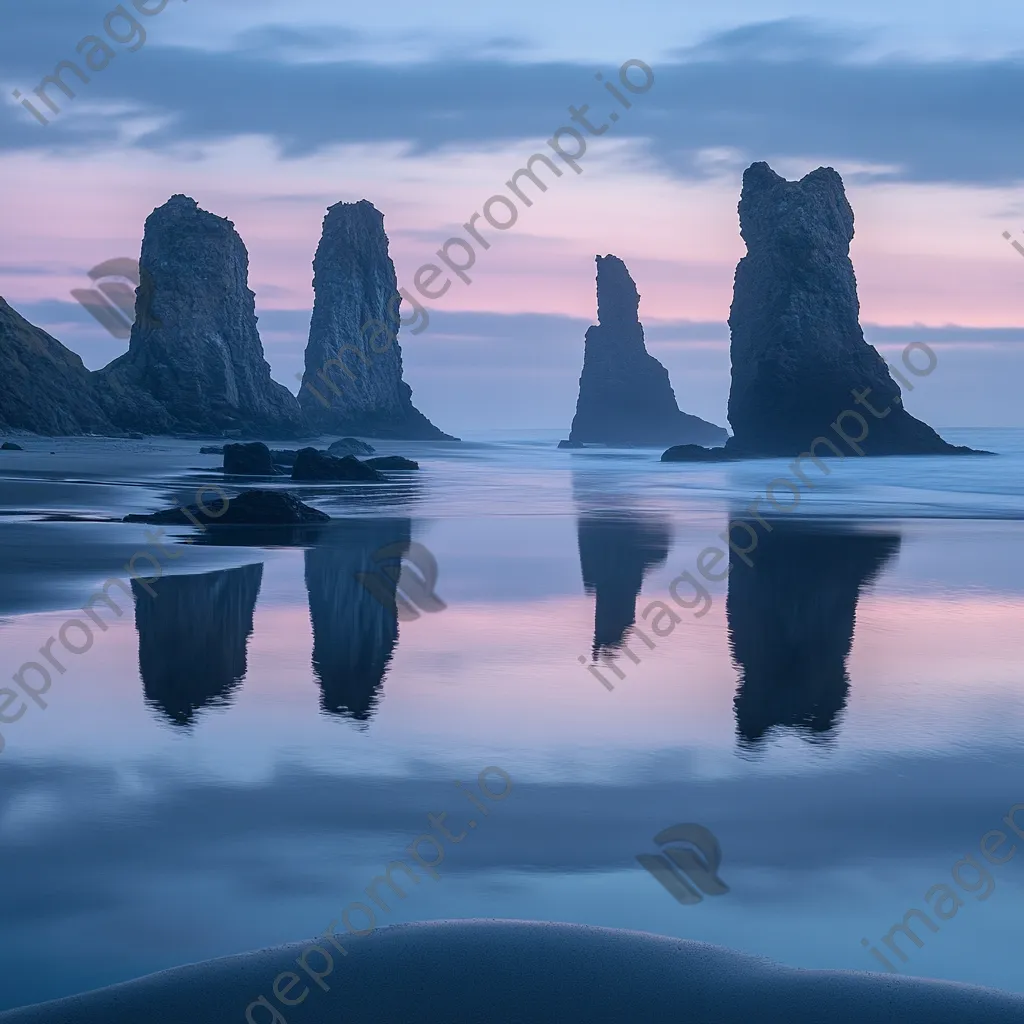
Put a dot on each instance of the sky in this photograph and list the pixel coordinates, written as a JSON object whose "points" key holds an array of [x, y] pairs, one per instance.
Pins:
{"points": [[267, 112]]}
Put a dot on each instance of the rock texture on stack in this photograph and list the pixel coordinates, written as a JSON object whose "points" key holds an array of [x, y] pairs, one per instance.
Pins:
{"points": [[353, 334], [625, 394], [798, 351], [195, 362], [44, 387]]}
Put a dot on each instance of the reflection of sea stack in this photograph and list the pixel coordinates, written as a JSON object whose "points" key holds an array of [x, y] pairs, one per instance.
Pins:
{"points": [[798, 352], [195, 361], [791, 618], [355, 626], [625, 394], [615, 555], [353, 378], [192, 637]]}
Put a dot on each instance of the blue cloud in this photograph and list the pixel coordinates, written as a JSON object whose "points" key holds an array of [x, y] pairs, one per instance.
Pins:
{"points": [[764, 91]]}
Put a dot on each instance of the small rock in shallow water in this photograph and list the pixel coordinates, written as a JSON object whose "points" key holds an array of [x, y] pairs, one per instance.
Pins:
{"points": [[697, 453], [311, 464], [250, 508], [212, 449], [248, 459], [391, 462], [10, 446], [350, 446]]}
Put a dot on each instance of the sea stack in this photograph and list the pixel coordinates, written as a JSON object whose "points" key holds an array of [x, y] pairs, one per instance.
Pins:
{"points": [[353, 371], [44, 387], [799, 358], [195, 361], [625, 393]]}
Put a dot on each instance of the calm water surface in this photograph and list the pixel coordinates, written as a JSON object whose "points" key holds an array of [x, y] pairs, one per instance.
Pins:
{"points": [[235, 758]]}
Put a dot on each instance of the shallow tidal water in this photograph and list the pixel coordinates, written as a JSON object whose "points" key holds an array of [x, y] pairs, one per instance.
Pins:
{"points": [[240, 752]]}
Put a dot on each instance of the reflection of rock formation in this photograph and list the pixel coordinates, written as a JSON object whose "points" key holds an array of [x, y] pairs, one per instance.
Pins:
{"points": [[791, 619], [615, 555], [355, 626], [192, 637]]}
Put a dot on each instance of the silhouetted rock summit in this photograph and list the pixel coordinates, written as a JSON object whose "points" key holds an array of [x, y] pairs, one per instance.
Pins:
{"points": [[798, 351], [353, 370], [195, 361], [625, 394]]}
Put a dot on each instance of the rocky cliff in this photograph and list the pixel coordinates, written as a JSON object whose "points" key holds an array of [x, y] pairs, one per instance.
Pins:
{"points": [[625, 394], [195, 362], [798, 352], [353, 371], [44, 387]]}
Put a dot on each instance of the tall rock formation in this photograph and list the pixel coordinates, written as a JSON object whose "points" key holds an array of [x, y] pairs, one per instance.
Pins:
{"points": [[44, 387], [798, 352], [625, 394], [353, 371], [195, 362]]}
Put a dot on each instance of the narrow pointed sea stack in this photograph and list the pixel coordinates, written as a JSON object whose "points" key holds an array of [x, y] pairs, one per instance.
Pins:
{"points": [[353, 373], [44, 387], [625, 394], [195, 361], [799, 358]]}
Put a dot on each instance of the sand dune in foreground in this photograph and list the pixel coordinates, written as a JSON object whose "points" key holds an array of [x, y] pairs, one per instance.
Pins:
{"points": [[500, 972]]}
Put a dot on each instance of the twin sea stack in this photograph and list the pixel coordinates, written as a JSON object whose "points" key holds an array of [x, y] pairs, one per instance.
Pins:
{"points": [[195, 362]]}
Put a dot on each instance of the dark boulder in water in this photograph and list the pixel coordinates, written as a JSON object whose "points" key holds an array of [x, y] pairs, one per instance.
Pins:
{"points": [[351, 446], [10, 446], [353, 368], [311, 464], [195, 361], [570, 444], [697, 453], [801, 369], [391, 462], [625, 394], [250, 508], [248, 460]]}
